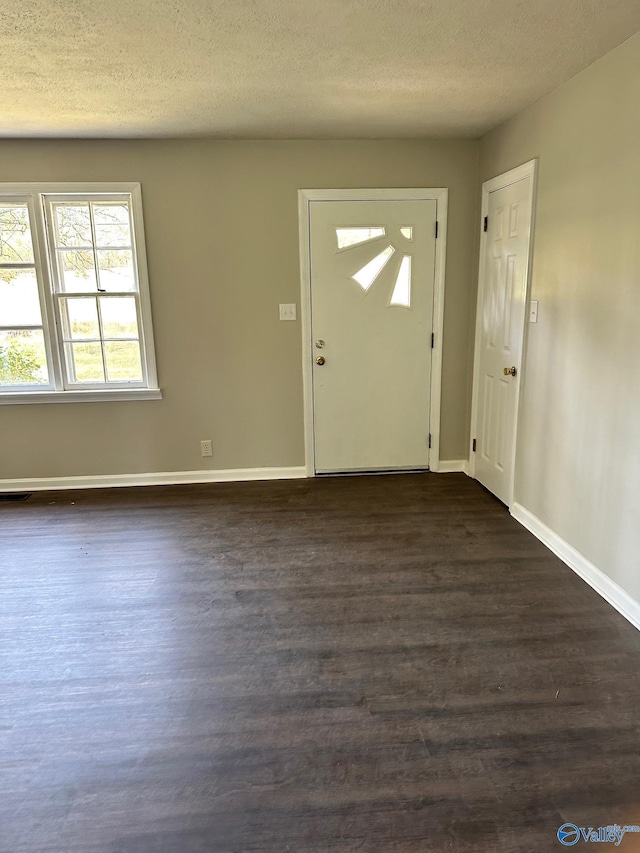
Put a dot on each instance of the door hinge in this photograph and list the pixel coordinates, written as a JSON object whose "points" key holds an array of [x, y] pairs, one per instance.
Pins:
{"points": [[473, 446], [436, 229], [429, 439], [486, 223], [433, 339]]}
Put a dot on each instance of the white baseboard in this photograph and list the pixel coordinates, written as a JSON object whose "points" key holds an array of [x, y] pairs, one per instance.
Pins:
{"points": [[111, 481], [595, 577], [453, 466]]}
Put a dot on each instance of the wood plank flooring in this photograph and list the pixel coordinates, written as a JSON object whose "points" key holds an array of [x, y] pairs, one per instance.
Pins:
{"points": [[366, 664]]}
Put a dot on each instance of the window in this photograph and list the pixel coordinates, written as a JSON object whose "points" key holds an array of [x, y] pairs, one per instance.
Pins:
{"points": [[75, 316]]}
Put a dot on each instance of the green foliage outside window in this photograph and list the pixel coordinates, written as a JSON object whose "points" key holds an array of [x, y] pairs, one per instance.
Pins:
{"points": [[17, 366]]}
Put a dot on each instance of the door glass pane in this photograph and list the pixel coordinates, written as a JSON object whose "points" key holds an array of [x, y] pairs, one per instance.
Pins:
{"points": [[19, 301], [86, 362], [407, 232], [23, 359], [78, 272], [15, 234], [370, 272], [112, 224], [119, 317], [73, 226], [353, 236], [123, 361], [116, 270], [402, 289], [81, 319]]}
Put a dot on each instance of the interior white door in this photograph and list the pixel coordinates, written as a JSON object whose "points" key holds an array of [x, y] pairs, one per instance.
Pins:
{"points": [[372, 283], [500, 330]]}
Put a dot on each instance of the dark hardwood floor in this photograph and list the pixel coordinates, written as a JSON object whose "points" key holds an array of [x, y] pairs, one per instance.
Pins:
{"points": [[350, 664]]}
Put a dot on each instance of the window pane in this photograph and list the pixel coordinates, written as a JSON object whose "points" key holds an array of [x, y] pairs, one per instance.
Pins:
{"points": [[80, 319], [119, 317], [123, 361], [78, 272], [15, 234], [19, 302], [111, 222], [23, 359], [116, 270], [402, 291], [370, 272], [86, 362], [73, 225]]}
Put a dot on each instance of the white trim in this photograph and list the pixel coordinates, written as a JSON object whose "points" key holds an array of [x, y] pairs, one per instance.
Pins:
{"points": [[453, 466], [304, 197], [526, 170], [145, 331], [595, 577], [379, 194], [438, 194], [437, 326], [171, 478], [106, 396]]}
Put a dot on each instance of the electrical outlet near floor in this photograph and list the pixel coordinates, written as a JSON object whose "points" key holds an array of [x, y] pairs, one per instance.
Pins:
{"points": [[206, 448]]}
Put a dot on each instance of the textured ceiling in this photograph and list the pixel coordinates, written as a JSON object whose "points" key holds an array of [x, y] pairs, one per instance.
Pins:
{"points": [[291, 68]]}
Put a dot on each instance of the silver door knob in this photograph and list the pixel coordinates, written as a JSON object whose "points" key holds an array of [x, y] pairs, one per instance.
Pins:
{"points": [[320, 360], [320, 343], [510, 371]]}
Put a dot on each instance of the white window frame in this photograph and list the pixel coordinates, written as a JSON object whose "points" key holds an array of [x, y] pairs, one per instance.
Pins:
{"points": [[38, 198]]}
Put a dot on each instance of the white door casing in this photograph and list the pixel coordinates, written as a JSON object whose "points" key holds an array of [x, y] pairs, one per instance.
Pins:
{"points": [[503, 293], [374, 298]]}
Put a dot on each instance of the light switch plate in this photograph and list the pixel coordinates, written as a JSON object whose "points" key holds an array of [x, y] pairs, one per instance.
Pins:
{"points": [[288, 311], [533, 311]]}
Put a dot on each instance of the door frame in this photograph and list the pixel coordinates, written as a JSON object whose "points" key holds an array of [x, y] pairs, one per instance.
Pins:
{"points": [[305, 197], [526, 170]]}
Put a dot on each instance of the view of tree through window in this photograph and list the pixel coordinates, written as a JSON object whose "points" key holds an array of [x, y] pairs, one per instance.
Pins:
{"points": [[22, 352], [93, 312]]}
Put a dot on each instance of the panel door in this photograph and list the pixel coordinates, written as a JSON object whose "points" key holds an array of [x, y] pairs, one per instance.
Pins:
{"points": [[501, 306]]}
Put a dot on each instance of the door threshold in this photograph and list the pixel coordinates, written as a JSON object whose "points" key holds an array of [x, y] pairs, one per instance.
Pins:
{"points": [[372, 472]]}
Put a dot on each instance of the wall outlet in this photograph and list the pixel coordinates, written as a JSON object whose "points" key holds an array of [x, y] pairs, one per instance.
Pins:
{"points": [[206, 448]]}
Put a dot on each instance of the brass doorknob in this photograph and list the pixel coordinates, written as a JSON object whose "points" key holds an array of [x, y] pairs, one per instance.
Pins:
{"points": [[510, 371], [320, 360]]}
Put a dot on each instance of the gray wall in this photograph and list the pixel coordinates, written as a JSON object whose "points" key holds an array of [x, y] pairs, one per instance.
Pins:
{"points": [[578, 468], [222, 242]]}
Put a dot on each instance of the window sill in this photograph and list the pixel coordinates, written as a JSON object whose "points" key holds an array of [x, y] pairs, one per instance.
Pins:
{"points": [[117, 395]]}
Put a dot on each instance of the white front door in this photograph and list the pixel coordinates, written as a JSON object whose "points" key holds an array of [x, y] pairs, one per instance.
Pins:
{"points": [[502, 302], [372, 289]]}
